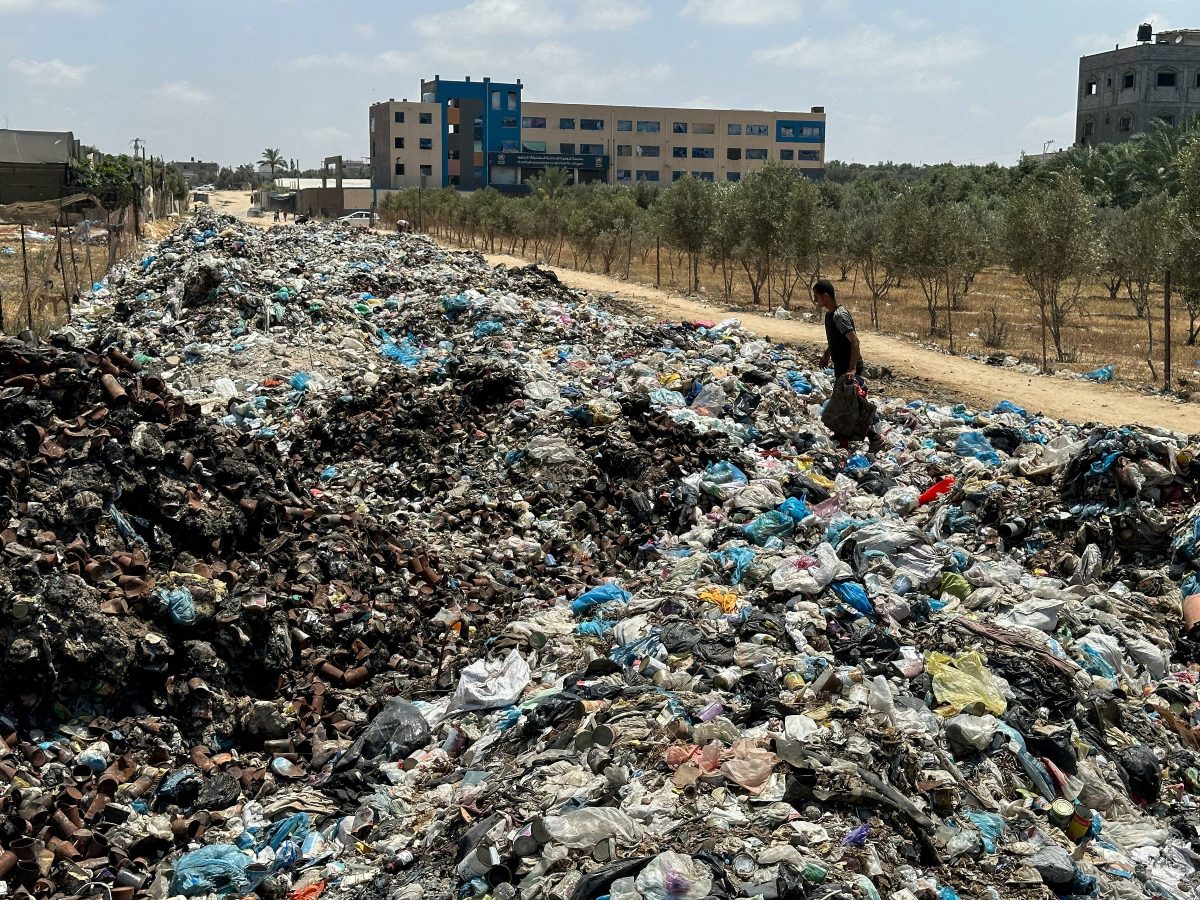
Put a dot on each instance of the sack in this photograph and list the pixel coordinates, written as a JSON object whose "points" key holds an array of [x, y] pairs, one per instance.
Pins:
{"points": [[848, 413]]}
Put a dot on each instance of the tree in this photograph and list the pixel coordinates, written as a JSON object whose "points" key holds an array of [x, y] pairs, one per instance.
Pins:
{"points": [[1186, 268], [686, 212], [273, 158], [551, 184], [1048, 241], [871, 244]]}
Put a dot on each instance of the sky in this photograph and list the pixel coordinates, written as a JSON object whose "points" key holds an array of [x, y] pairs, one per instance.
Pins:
{"points": [[925, 82]]}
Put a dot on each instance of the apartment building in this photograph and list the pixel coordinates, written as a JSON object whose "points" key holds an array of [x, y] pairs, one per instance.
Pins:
{"points": [[1123, 91], [471, 134]]}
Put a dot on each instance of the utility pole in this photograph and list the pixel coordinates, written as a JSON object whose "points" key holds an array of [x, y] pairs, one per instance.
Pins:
{"points": [[1167, 329]]}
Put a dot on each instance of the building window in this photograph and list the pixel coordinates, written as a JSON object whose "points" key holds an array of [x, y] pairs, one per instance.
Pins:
{"points": [[733, 176], [624, 175], [591, 149], [566, 148], [399, 118], [1108, 118], [399, 168], [752, 153], [733, 128], [426, 170], [679, 127], [1198, 79], [1127, 81], [1166, 119], [703, 176], [675, 176], [809, 155], [512, 101], [704, 128], [1126, 124], [426, 143], [1165, 79], [733, 152], [533, 146], [648, 150], [679, 152], [533, 121], [425, 118], [647, 175], [649, 127], [624, 124], [703, 153], [566, 124], [788, 154], [1108, 81], [398, 143], [591, 124], [624, 150], [508, 122], [1090, 89], [496, 100], [756, 129], [510, 146]]}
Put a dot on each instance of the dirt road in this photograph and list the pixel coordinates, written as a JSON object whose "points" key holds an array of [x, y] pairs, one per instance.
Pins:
{"points": [[974, 382]]}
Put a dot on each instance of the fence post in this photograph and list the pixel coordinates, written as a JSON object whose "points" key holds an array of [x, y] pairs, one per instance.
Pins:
{"points": [[657, 262], [28, 296], [62, 268], [1167, 329]]}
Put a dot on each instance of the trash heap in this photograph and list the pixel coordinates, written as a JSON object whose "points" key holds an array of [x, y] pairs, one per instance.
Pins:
{"points": [[341, 565]]}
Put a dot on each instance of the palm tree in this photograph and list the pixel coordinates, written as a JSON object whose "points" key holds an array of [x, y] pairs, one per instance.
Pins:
{"points": [[550, 184], [273, 158]]}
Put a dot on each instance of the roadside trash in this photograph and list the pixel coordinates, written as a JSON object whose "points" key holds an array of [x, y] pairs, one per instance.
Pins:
{"points": [[338, 565], [1104, 373]]}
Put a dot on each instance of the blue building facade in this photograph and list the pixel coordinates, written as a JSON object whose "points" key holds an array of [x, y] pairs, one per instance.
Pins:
{"points": [[481, 118]]}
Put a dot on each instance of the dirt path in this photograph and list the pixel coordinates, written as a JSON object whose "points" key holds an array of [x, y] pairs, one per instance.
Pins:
{"points": [[974, 382]]}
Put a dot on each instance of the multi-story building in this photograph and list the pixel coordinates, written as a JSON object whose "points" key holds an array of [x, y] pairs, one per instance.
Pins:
{"points": [[471, 134], [197, 171], [1123, 91]]}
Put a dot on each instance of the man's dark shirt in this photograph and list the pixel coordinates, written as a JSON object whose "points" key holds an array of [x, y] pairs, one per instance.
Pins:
{"points": [[838, 324]]}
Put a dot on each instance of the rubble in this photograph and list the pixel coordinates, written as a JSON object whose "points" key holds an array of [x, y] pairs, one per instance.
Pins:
{"points": [[340, 565]]}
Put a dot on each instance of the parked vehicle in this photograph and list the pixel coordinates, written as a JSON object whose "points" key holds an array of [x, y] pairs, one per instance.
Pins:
{"points": [[360, 219], [254, 212]]}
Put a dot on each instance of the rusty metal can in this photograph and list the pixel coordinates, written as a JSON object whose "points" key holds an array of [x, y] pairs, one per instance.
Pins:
{"points": [[1061, 812], [1080, 825], [793, 681]]}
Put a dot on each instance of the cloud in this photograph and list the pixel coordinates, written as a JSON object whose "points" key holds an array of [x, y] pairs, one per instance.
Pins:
{"points": [[527, 18], [182, 92], [53, 6], [757, 12], [614, 15], [926, 64], [364, 30], [49, 72], [388, 59]]}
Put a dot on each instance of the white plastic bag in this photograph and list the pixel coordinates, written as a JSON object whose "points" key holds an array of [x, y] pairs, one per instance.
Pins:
{"points": [[489, 683], [673, 876], [585, 828]]}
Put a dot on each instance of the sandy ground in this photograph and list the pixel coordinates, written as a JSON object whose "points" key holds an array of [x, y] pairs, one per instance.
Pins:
{"points": [[974, 382]]}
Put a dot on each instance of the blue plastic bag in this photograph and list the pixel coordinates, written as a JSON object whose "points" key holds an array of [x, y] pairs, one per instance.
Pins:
{"points": [[796, 509], [974, 443], [738, 557], [1007, 406], [724, 472], [667, 398], [799, 383], [990, 826], [594, 628], [854, 595], [179, 605], [857, 463], [487, 329], [300, 381], [772, 523], [1104, 373], [455, 305], [597, 596], [215, 869]]}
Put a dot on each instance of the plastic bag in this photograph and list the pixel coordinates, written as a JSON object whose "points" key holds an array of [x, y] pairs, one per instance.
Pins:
{"points": [[770, 524], [854, 595], [1104, 373], [215, 869], [723, 479], [598, 596], [955, 585], [990, 826], [848, 413], [807, 574], [393, 734], [963, 681], [179, 605], [976, 444], [489, 683], [674, 876], [584, 828], [750, 766], [796, 509]]}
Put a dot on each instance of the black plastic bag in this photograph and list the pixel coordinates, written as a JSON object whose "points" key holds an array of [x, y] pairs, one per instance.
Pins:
{"points": [[848, 413], [395, 733], [1143, 774]]}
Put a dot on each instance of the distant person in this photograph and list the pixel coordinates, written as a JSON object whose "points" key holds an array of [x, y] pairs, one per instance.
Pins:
{"points": [[276, 215], [843, 351]]}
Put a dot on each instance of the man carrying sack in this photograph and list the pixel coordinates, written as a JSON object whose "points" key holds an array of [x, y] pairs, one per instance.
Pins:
{"points": [[849, 414]]}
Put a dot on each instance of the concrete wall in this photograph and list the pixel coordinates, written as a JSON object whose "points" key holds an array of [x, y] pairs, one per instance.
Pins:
{"points": [[385, 131]]}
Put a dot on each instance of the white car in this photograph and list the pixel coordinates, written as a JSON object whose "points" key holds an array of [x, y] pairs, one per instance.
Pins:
{"points": [[254, 212], [360, 219]]}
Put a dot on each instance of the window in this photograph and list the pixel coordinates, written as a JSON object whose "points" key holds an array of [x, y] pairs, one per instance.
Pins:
{"points": [[647, 175], [533, 146], [512, 101], [733, 176], [399, 168], [648, 150], [624, 175], [496, 100], [703, 176], [1166, 119], [1090, 89], [624, 150], [733, 128], [704, 128], [510, 146], [426, 170], [733, 152], [591, 124], [679, 152], [675, 176], [649, 127], [566, 124], [752, 153], [425, 118], [756, 129], [679, 127], [1165, 79], [1198, 79], [702, 153], [809, 155], [591, 149], [1126, 124], [1107, 118], [787, 154], [624, 124], [533, 121], [799, 132], [566, 148], [399, 118], [426, 143], [1127, 81], [398, 143], [1108, 81], [508, 122]]}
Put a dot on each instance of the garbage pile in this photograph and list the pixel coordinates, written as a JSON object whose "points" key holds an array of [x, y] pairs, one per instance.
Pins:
{"points": [[341, 565]]}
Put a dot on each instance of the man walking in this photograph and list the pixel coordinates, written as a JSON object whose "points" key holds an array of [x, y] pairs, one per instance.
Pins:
{"points": [[843, 350]]}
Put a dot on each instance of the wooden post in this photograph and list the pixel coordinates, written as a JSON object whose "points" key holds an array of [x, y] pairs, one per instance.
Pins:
{"points": [[62, 268], [87, 250], [1167, 330], [28, 296], [657, 262]]}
